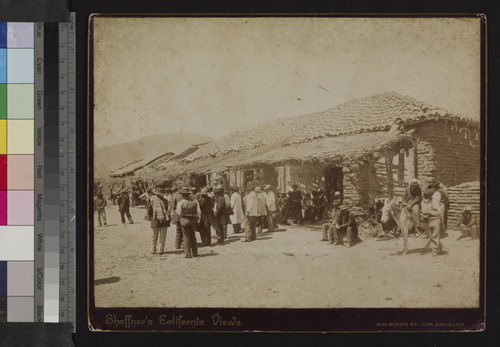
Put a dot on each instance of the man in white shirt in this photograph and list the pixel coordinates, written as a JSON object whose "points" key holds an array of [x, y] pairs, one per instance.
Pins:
{"points": [[252, 213], [271, 207]]}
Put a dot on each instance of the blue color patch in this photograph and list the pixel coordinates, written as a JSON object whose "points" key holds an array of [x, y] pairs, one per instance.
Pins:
{"points": [[3, 278], [3, 35], [3, 65]]}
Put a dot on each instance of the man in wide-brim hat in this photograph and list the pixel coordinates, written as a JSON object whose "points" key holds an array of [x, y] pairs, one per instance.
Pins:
{"points": [[345, 224], [220, 211], [190, 215], [124, 206], [251, 212], [271, 207], [208, 220]]}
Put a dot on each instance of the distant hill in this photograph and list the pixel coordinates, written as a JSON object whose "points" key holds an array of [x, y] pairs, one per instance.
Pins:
{"points": [[108, 159]]}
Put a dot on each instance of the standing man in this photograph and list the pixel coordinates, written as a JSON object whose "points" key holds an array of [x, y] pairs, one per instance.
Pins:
{"points": [[220, 212], [236, 205], [207, 217], [294, 204], [439, 197], [99, 206], [271, 207], [190, 215], [160, 220], [413, 199], [261, 198], [432, 213], [177, 197], [124, 206], [252, 213]]}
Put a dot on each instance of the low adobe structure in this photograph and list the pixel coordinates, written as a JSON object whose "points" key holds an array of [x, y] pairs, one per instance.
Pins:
{"points": [[366, 148]]}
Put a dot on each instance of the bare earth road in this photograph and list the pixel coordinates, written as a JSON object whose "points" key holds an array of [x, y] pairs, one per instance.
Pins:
{"points": [[288, 268]]}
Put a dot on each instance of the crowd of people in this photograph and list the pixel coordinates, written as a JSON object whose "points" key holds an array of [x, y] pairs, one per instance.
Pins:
{"points": [[254, 208]]}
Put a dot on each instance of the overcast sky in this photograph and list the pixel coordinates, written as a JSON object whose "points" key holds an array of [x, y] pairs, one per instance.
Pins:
{"points": [[213, 76]]}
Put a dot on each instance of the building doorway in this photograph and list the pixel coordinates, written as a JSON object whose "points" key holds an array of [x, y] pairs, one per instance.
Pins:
{"points": [[334, 179]]}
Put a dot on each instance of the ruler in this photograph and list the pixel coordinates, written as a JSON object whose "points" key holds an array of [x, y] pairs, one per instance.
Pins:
{"points": [[67, 167]]}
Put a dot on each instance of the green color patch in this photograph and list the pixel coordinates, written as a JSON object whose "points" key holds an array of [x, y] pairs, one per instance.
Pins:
{"points": [[3, 101]]}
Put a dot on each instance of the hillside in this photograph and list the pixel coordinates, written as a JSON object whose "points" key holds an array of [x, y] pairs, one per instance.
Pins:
{"points": [[110, 158]]}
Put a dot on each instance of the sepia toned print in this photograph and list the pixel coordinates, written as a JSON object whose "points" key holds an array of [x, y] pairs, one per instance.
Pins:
{"points": [[279, 162]]}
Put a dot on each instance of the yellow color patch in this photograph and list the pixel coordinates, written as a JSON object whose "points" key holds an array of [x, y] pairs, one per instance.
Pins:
{"points": [[3, 136]]}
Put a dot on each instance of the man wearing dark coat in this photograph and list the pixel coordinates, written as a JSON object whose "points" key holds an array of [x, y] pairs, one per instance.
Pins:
{"points": [[220, 212], [124, 206], [207, 217], [412, 199], [294, 205]]}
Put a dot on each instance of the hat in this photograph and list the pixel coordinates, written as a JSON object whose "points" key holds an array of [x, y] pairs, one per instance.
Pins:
{"points": [[414, 182], [204, 191], [184, 190], [235, 188], [468, 208], [257, 189], [267, 187], [428, 193], [192, 189], [218, 190]]}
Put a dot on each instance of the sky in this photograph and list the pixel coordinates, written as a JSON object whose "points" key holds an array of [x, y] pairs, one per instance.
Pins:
{"points": [[214, 76]]}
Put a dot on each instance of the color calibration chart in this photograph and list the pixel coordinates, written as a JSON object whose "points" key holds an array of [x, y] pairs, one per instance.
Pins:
{"points": [[37, 149]]}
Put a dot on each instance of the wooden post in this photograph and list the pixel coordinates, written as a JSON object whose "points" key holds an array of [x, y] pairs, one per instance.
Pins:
{"points": [[390, 178], [415, 160], [401, 166]]}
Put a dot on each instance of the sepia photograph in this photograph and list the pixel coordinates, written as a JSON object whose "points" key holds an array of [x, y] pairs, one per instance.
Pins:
{"points": [[306, 163]]}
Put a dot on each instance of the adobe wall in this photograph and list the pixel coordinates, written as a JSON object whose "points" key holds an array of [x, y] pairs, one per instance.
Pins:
{"points": [[448, 151]]}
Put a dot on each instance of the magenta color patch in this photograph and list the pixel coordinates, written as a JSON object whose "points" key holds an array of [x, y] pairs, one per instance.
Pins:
{"points": [[3, 207], [20, 207]]}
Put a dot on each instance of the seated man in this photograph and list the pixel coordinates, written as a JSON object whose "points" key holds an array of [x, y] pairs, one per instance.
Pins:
{"points": [[467, 224], [329, 226], [345, 224]]}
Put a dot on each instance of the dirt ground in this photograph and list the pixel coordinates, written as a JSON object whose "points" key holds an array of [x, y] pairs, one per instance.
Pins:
{"points": [[287, 268]]}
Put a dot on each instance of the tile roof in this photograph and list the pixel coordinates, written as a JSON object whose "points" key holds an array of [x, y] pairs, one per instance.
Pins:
{"points": [[375, 113]]}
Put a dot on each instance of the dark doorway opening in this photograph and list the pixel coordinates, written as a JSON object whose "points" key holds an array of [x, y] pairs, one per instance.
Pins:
{"points": [[199, 181], [334, 181]]}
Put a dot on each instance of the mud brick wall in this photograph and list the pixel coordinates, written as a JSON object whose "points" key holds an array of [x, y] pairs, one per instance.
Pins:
{"points": [[461, 195], [447, 151], [358, 184]]}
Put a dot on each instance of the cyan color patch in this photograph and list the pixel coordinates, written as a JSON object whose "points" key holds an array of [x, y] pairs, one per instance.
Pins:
{"points": [[20, 66], [3, 65]]}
